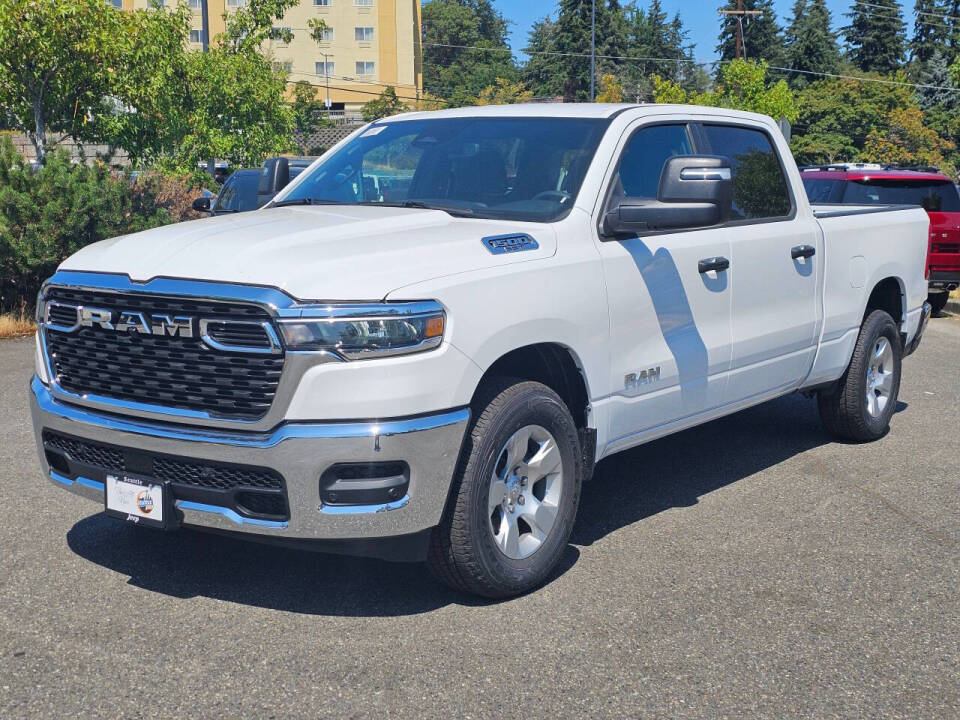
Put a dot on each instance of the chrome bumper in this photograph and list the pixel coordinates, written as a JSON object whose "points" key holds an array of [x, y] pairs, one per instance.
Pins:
{"points": [[300, 452]]}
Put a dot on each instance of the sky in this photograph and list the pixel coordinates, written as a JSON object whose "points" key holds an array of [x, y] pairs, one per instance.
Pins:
{"points": [[699, 17]]}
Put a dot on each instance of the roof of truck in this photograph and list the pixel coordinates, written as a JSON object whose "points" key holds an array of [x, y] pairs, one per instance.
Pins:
{"points": [[828, 172], [573, 110]]}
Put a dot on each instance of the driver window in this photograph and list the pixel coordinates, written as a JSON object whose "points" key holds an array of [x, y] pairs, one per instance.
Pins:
{"points": [[638, 174]]}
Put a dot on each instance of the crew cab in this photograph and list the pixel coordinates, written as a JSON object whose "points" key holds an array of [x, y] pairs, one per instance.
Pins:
{"points": [[421, 347], [872, 184]]}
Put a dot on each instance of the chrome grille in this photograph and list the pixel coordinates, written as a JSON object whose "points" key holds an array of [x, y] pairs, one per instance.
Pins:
{"points": [[174, 372]]}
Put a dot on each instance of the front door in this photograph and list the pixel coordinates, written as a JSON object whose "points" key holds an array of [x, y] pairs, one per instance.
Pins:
{"points": [[669, 323]]}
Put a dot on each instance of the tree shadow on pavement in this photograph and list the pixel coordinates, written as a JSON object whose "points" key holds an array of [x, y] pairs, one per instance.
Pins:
{"points": [[672, 472]]}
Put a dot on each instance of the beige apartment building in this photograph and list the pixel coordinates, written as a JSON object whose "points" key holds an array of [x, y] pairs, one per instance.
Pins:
{"points": [[369, 45]]}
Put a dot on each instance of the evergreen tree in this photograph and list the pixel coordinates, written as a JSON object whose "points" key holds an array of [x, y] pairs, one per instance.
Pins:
{"points": [[652, 35], [951, 8], [930, 30], [937, 75], [542, 72], [571, 36], [458, 74], [761, 33], [875, 36], [813, 45], [791, 32]]}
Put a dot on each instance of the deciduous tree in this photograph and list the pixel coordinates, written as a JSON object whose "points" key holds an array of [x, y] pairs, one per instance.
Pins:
{"points": [[56, 61]]}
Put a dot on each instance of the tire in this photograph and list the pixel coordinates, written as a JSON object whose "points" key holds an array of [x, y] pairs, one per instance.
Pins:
{"points": [[847, 410], [938, 301], [472, 550]]}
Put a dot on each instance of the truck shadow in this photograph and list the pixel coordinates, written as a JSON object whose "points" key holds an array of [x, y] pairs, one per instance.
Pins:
{"points": [[671, 472]]}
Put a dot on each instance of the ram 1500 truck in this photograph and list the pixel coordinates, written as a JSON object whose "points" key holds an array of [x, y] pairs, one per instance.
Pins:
{"points": [[421, 348]]}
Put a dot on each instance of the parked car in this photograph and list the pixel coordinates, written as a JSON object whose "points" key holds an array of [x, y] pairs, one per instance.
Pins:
{"points": [[250, 189], [434, 376], [861, 184]]}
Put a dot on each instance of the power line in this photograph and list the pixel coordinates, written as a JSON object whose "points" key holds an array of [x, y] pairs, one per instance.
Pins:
{"points": [[691, 61]]}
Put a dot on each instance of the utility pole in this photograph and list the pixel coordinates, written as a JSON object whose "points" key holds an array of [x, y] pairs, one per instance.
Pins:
{"points": [[739, 14], [326, 75], [593, 50], [205, 40]]}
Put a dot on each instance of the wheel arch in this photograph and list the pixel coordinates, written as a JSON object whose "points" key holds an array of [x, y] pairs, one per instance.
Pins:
{"points": [[555, 365], [888, 294]]}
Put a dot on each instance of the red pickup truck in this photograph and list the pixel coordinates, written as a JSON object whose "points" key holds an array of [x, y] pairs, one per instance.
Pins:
{"points": [[868, 184]]}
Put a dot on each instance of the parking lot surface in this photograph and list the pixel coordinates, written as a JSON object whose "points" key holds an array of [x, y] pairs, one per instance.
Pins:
{"points": [[749, 567]]}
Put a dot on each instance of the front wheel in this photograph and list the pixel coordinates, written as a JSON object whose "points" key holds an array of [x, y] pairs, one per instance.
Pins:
{"points": [[515, 495], [861, 404]]}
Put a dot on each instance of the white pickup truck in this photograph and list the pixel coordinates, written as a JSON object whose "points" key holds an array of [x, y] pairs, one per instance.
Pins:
{"points": [[426, 342]]}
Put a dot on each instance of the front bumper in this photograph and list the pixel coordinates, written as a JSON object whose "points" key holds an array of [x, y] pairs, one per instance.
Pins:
{"points": [[300, 452]]}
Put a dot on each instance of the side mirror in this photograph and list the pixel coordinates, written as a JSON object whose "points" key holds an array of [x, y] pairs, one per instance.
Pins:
{"points": [[274, 176], [695, 191], [202, 204]]}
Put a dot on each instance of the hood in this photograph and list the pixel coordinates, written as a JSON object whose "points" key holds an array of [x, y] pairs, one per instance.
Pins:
{"points": [[314, 253]]}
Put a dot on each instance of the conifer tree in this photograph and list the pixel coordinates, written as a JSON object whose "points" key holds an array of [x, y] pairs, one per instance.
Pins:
{"points": [[875, 36], [930, 30], [762, 39], [813, 45]]}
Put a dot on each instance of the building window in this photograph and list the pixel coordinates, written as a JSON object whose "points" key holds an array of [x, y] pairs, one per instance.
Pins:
{"points": [[324, 69], [196, 36], [322, 3], [280, 34], [365, 68], [118, 4], [326, 35], [196, 4], [363, 3], [285, 66], [236, 3], [363, 34]]}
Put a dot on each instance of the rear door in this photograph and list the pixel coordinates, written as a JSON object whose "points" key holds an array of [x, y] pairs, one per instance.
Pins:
{"points": [[775, 263]]}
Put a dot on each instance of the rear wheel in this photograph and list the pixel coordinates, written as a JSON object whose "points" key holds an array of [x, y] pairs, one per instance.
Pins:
{"points": [[515, 496], [938, 301], [861, 404]]}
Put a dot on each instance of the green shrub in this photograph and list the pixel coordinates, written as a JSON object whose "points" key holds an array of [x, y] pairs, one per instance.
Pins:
{"points": [[50, 213]]}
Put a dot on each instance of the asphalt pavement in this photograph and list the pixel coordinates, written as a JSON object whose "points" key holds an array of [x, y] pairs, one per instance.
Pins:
{"points": [[751, 567]]}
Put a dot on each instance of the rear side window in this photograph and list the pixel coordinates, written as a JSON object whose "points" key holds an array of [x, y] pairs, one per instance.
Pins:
{"points": [[821, 191], [643, 159], [760, 189], [933, 195]]}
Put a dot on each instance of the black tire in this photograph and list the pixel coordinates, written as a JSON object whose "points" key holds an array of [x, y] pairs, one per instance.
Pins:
{"points": [[843, 409], [938, 301], [463, 553]]}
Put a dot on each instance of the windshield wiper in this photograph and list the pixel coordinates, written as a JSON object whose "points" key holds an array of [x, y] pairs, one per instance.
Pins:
{"points": [[307, 201], [418, 205]]}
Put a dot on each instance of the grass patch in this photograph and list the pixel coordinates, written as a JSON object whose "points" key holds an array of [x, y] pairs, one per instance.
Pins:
{"points": [[16, 325]]}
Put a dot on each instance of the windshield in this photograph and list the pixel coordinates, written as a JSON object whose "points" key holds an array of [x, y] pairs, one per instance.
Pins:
{"points": [[509, 168], [239, 193], [933, 195]]}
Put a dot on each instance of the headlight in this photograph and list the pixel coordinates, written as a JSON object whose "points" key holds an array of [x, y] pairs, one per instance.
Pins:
{"points": [[363, 338], [40, 308]]}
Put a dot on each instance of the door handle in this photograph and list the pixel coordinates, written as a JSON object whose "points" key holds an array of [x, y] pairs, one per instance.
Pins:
{"points": [[714, 263], [803, 251]]}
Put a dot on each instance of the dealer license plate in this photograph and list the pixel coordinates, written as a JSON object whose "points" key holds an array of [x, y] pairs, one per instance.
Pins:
{"points": [[136, 499]]}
